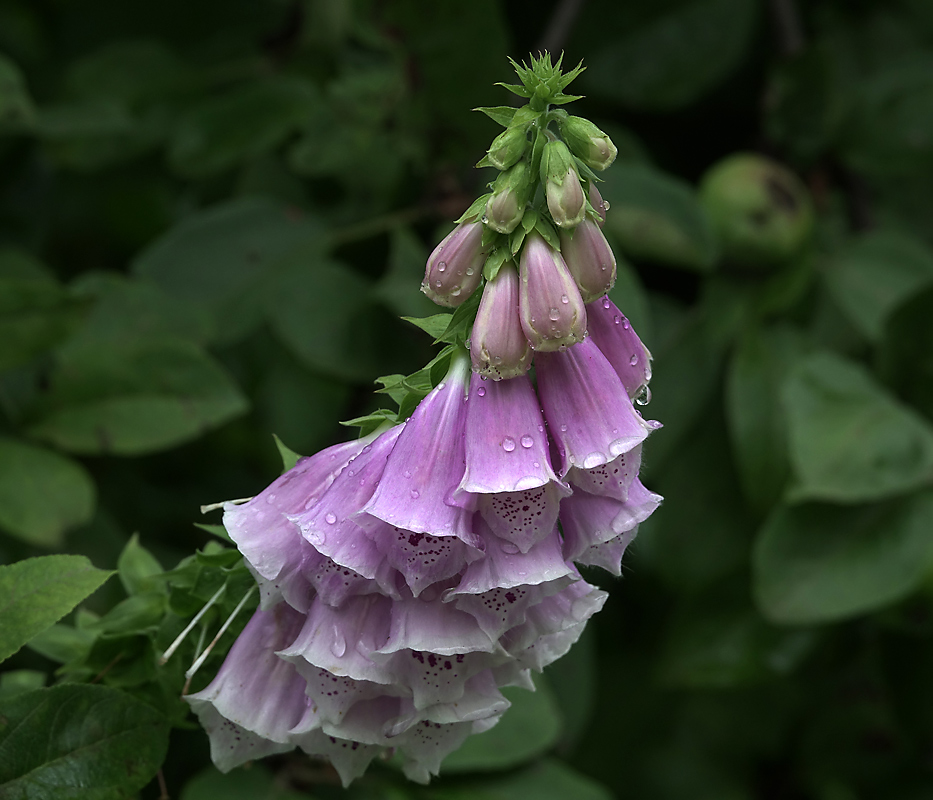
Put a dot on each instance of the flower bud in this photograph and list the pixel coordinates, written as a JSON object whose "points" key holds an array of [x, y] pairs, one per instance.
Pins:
{"points": [[498, 345], [506, 207], [455, 267], [596, 200], [590, 259], [588, 143], [550, 306], [507, 148], [564, 194]]}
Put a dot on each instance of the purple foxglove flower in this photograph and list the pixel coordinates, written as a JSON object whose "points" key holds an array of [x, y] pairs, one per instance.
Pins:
{"points": [[590, 416], [593, 147], [498, 346], [609, 480], [256, 697], [614, 336], [596, 200], [266, 536], [427, 463], [550, 307], [597, 529], [590, 259], [565, 200], [455, 268], [506, 207]]}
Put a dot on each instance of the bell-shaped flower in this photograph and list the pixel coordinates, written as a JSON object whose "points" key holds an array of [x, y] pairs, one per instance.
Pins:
{"points": [[455, 268], [590, 417], [506, 207], [614, 336], [590, 259], [565, 199], [599, 205], [550, 307], [498, 347]]}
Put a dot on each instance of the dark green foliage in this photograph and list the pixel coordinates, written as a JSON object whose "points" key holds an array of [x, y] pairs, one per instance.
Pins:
{"points": [[212, 214]]}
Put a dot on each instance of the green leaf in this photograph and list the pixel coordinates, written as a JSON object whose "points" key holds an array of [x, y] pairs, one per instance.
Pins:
{"points": [[675, 56], [18, 681], [757, 428], [547, 780], [434, 326], [289, 456], [215, 530], [136, 567], [63, 643], [906, 358], [17, 112], [657, 217], [37, 592], [42, 493], [819, 563], [529, 728], [136, 614], [35, 311], [78, 743], [324, 313], [220, 132], [398, 287], [875, 273], [850, 441], [891, 130], [501, 114], [726, 648], [220, 259], [252, 782], [136, 399]]}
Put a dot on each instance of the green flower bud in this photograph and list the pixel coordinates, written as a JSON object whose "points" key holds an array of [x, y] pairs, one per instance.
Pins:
{"points": [[506, 207], [588, 143], [565, 198], [507, 148], [761, 211]]}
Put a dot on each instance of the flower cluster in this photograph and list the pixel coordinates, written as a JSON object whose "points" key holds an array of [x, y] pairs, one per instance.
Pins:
{"points": [[408, 576]]}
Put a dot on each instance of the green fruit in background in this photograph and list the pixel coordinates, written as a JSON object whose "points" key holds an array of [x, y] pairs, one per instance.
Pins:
{"points": [[761, 211]]}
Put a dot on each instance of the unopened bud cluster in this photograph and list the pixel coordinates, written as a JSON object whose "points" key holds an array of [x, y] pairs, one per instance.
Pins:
{"points": [[543, 254]]}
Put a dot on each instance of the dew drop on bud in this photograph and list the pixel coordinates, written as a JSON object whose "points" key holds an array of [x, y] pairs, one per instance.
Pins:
{"points": [[606, 302], [625, 323], [508, 444], [470, 270], [527, 441], [441, 266], [564, 299], [605, 205], [455, 291], [563, 429], [644, 396], [617, 319], [554, 314], [438, 284], [330, 517], [415, 494], [633, 361], [481, 391]]}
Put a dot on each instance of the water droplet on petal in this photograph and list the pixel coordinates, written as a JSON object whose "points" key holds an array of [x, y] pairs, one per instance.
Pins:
{"points": [[605, 205], [527, 441], [564, 299], [508, 547], [625, 323], [554, 314], [644, 396], [481, 391], [455, 291], [508, 444], [415, 494], [470, 270], [407, 473], [330, 517], [563, 429], [339, 646], [616, 319], [441, 266], [653, 424], [438, 284], [593, 460], [633, 360]]}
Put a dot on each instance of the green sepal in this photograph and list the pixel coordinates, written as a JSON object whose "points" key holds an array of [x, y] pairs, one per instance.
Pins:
{"points": [[521, 91], [517, 239], [458, 330], [289, 457], [537, 150], [560, 99], [499, 114], [494, 263], [530, 220], [548, 232], [371, 422], [491, 238], [434, 325], [476, 209]]}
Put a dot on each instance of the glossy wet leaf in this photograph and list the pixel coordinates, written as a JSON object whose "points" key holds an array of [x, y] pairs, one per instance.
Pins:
{"points": [[78, 743]]}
